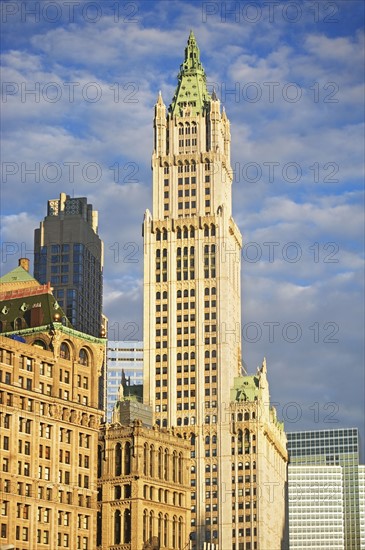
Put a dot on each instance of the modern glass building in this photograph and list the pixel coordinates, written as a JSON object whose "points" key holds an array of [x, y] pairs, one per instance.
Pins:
{"points": [[124, 365], [316, 507], [335, 450], [69, 254], [362, 505]]}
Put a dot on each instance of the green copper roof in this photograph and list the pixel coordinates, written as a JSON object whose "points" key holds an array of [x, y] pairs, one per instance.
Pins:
{"points": [[245, 388], [17, 275], [29, 311], [191, 91]]}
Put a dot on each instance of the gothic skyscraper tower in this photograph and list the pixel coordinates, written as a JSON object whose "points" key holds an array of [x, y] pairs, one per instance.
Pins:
{"points": [[192, 299]]}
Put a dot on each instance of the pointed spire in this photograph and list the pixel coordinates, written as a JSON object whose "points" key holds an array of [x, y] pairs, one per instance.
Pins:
{"points": [[159, 99], [192, 90]]}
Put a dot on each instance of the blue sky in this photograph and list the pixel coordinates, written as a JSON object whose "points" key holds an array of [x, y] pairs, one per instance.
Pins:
{"points": [[290, 76]]}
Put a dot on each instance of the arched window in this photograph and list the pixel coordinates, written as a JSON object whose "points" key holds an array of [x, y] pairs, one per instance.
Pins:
{"points": [[158, 235], [247, 441], [180, 533], [145, 525], [192, 232], [160, 462], [18, 324], [239, 440], [39, 344], [178, 294], [118, 459], [174, 532], [164, 295], [239, 417], [179, 232], [158, 295], [166, 464], [117, 527], [158, 358], [166, 531], [180, 468], [152, 519], [174, 466], [160, 528], [247, 416], [152, 457], [127, 526], [83, 357], [127, 458], [65, 351]]}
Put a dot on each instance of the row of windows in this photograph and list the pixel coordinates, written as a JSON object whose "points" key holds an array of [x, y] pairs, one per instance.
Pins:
{"points": [[163, 495], [27, 363], [186, 167], [44, 493], [168, 534], [185, 232], [168, 465], [185, 129]]}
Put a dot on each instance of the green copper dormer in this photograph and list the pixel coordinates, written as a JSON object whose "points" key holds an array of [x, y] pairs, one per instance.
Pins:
{"points": [[191, 95]]}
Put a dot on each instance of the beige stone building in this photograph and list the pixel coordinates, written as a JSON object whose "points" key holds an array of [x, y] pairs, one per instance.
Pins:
{"points": [[49, 420], [144, 483], [259, 463], [192, 304]]}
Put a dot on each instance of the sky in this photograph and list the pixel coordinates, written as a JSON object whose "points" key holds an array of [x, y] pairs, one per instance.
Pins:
{"points": [[80, 80]]}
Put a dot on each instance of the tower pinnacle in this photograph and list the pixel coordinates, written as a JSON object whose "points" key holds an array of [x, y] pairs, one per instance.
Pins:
{"points": [[191, 92]]}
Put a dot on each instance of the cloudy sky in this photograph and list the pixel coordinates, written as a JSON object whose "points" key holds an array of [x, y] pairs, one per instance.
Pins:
{"points": [[80, 80]]}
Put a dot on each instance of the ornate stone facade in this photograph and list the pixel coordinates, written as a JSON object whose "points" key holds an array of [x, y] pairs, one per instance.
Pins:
{"points": [[144, 488], [49, 422]]}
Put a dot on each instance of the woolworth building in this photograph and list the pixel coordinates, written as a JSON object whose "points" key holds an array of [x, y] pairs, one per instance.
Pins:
{"points": [[192, 320]]}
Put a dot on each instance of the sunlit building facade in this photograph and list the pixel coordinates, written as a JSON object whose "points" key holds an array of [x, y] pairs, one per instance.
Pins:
{"points": [[192, 302], [144, 483], [49, 419]]}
